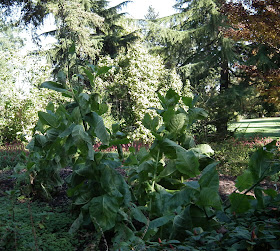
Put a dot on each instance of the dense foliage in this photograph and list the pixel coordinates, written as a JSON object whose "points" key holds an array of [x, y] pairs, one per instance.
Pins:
{"points": [[257, 22], [131, 88], [162, 196], [157, 200]]}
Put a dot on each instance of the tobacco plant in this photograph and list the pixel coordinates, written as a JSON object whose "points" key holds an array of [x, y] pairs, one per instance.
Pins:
{"points": [[159, 177], [171, 189]]}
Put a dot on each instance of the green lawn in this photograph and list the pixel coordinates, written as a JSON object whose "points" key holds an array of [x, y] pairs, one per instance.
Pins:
{"points": [[263, 127]]}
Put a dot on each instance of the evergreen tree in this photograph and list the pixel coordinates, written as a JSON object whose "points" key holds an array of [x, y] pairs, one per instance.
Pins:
{"points": [[193, 41], [93, 26], [151, 14]]}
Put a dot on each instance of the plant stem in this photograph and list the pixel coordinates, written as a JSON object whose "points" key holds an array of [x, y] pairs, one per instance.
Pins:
{"points": [[120, 151]]}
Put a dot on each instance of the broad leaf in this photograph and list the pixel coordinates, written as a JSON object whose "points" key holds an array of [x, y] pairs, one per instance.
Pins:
{"points": [[80, 135], [114, 184], [102, 70], [171, 98], [103, 212], [168, 169], [240, 203], [176, 123], [138, 215], [259, 196], [210, 177], [48, 119], [76, 224], [205, 149], [83, 198], [56, 87], [99, 128], [76, 115], [159, 222], [244, 181], [187, 163], [188, 101], [209, 197], [90, 76]]}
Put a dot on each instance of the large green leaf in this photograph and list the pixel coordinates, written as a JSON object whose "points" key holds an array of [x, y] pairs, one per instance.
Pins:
{"points": [[76, 115], [102, 70], [169, 169], [84, 103], [171, 98], [205, 149], [52, 134], [96, 122], [260, 163], [48, 119], [209, 197], [67, 131], [210, 177], [56, 87], [182, 221], [244, 181], [80, 136], [187, 162], [182, 197], [191, 217], [83, 198], [258, 191], [188, 101], [197, 113], [40, 139], [76, 224], [176, 123], [113, 183], [138, 215], [240, 203], [161, 221], [90, 76], [103, 212], [170, 148]]}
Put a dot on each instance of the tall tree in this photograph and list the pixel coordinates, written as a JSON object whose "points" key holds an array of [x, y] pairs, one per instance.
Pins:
{"points": [[92, 25], [193, 41], [151, 13]]}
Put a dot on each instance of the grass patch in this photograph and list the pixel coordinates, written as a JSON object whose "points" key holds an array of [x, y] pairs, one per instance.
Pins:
{"points": [[262, 127], [234, 153]]}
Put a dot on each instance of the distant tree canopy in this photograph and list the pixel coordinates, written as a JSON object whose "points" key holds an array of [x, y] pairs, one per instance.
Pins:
{"points": [[93, 26]]}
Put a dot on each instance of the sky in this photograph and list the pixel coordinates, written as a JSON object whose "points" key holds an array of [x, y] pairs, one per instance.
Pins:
{"points": [[138, 8]]}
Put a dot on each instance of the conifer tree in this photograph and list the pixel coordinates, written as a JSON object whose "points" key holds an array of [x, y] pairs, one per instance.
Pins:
{"points": [[93, 26], [193, 41]]}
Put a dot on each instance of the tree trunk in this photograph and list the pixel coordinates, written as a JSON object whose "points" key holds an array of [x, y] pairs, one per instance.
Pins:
{"points": [[223, 117]]}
